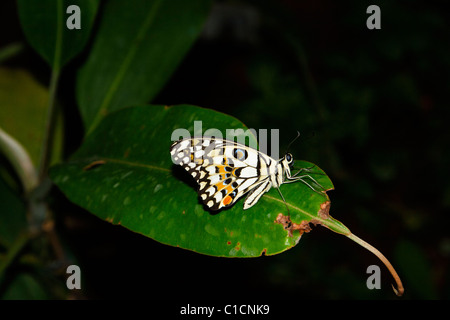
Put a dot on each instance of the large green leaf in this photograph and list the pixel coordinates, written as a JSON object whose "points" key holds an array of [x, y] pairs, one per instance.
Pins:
{"points": [[124, 174], [138, 46], [44, 25]]}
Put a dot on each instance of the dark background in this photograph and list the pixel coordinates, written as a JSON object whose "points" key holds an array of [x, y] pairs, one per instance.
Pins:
{"points": [[372, 109]]}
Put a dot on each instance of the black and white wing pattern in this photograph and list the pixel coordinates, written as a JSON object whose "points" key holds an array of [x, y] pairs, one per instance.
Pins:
{"points": [[225, 170]]}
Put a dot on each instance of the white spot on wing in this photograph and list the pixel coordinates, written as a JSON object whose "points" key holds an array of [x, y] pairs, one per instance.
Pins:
{"points": [[210, 190], [247, 183], [248, 172]]}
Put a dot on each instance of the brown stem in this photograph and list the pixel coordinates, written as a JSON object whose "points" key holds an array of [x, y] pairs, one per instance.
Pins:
{"points": [[399, 290]]}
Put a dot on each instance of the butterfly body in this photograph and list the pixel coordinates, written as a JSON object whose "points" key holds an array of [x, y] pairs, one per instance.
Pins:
{"points": [[226, 170]]}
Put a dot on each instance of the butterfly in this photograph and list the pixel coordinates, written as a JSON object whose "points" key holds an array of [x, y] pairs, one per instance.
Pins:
{"points": [[226, 170]]}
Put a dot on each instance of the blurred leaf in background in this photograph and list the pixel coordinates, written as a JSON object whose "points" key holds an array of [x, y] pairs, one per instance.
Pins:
{"points": [[24, 104], [44, 25], [138, 46]]}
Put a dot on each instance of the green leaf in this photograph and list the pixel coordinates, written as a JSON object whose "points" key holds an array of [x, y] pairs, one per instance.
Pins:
{"points": [[138, 46], [44, 25], [123, 173], [22, 114]]}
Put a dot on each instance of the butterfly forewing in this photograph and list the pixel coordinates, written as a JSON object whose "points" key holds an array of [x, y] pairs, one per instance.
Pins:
{"points": [[224, 170]]}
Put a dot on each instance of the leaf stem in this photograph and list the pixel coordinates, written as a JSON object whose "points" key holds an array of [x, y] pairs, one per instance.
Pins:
{"points": [[51, 110], [49, 126], [124, 65], [399, 290], [20, 160]]}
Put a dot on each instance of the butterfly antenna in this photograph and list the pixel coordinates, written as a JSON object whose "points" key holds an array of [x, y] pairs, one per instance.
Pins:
{"points": [[289, 145]]}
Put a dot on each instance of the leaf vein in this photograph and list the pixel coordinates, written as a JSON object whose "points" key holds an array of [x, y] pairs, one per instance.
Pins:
{"points": [[124, 67], [136, 164]]}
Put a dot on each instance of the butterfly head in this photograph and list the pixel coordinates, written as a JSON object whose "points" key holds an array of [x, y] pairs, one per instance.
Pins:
{"points": [[288, 160]]}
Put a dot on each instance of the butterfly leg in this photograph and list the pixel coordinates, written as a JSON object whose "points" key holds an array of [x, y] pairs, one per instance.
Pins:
{"points": [[307, 170], [285, 203], [291, 179]]}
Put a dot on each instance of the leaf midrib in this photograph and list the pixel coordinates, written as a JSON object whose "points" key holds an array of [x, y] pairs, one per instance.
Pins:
{"points": [[290, 205], [59, 36], [123, 67], [328, 222], [153, 167], [135, 164]]}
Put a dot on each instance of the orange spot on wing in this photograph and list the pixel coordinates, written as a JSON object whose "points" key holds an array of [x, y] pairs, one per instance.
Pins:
{"points": [[227, 200]]}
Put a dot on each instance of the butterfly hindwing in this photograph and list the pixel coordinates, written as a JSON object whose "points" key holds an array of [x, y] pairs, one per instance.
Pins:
{"points": [[224, 170]]}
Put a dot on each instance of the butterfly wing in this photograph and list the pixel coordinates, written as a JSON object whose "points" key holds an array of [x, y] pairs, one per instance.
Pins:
{"points": [[224, 170]]}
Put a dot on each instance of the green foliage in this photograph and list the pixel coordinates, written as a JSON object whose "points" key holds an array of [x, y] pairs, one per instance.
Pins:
{"points": [[370, 106], [44, 24], [138, 46], [24, 103]]}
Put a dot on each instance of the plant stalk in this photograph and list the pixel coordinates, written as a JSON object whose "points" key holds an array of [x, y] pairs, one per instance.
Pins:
{"points": [[51, 110], [49, 126], [20, 160], [399, 290]]}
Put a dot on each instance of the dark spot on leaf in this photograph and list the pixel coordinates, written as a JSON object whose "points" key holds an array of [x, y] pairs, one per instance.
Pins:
{"points": [[288, 225], [324, 211]]}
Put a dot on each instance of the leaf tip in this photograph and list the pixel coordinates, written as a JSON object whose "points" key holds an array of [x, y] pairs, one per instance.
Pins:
{"points": [[398, 291]]}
